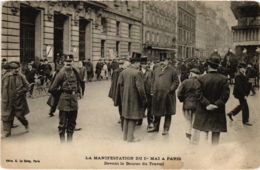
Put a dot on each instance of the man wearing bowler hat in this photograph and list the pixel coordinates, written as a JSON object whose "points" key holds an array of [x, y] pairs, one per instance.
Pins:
{"points": [[165, 82], [241, 91], [130, 87], [68, 84], [14, 103], [213, 95]]}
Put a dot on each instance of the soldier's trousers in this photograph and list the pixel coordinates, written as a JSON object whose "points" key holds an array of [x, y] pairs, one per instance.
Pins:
{"points": [[67, 121], [8, 121], [128, 129]]}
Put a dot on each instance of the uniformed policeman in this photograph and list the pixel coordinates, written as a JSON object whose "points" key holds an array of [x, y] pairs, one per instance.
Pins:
{"points": [[68, 83]]}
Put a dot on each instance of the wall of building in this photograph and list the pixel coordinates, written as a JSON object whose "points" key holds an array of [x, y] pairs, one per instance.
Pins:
{"points": [[159, 28], [186, 29]]}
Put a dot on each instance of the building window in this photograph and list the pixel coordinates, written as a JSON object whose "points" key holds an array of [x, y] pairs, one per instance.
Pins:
{"points": [[129, 30], [82, 39], [103, 25], [129, 48], [117, 48], [102, 48], [27, 34], [117, 28]]}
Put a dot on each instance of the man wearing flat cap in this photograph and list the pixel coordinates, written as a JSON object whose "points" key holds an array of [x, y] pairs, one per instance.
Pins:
{"points": [[165, 82], [67, 83], [188, 93], [241, 91], [213, 95], [131, 94], [14, 103]]}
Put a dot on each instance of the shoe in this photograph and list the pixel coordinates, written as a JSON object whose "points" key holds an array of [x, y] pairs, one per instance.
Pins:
{"points": [[165, 132], [77, 129], [14, 126], [188, 136], [135, 140], [26, 128], [51, 114], [248, 124], [230, 116], [150, 126], [5, 135], [152, 130]]}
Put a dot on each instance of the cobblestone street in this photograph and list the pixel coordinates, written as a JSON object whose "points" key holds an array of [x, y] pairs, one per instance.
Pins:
{"points": [[101, 136]]}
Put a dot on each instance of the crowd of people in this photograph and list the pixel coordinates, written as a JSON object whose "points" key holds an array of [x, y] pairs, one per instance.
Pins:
{"points": [[139, 88]]}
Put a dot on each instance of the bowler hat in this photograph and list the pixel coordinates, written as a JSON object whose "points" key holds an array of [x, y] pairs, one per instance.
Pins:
{"points": [[214, 60], [14, 64]]}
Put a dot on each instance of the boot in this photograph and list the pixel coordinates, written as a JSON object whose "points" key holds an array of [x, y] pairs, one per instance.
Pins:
{"points": [[62, 137], [69, 137]]}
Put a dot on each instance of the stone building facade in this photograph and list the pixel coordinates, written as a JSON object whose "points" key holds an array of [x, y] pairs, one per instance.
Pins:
{"points": [[212, 31], [246, 34], [87, 29], [159, 28], [186, 29]]}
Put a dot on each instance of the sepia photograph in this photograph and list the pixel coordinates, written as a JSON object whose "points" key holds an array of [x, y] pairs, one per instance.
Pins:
{"points": [[130, 84]]}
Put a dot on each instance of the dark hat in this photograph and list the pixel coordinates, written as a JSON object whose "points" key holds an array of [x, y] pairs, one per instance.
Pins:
{"points": [[143, 60], [242, 65], [45, 59], [14, 65], [195, 70], [4, 59], [69, 58], [214, 60], [136, 57]]}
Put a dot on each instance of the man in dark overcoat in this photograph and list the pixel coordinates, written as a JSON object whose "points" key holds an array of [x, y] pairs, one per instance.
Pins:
{"points": [[132, 94], [113, 90], [68, 83], [214, 93], [241, 91], [165, 82], [14, 103]]}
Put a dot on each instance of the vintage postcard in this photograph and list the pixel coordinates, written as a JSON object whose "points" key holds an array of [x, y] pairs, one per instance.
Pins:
{"points": [[130, 84]]}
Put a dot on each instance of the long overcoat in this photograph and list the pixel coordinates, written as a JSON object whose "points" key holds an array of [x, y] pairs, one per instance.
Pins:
{"points": [[114, 79], [214, 90], [14, 88], [165, 82], [130, 87]]}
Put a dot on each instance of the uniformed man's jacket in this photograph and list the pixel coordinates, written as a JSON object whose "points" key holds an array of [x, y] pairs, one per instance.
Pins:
{"points": [[68, 83]]}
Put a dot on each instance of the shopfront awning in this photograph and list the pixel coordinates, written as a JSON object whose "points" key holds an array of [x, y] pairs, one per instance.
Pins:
{"points": [[161, 48]]}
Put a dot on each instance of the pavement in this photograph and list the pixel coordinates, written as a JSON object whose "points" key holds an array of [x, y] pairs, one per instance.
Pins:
{"points": [[101, 136]]}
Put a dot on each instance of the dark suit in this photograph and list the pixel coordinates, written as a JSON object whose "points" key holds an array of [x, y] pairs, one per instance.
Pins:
{"points": [[241, 89]]}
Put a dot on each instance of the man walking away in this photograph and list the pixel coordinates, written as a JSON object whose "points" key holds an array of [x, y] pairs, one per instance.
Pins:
{"points": [[241, 91], [30, 76], [251, 74], [14, 103], [67, 82], [89, 68], [132, 94], [214, 93], [165, 82], [188, 93]]}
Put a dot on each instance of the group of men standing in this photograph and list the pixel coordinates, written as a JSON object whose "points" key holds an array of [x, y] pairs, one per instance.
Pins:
{"points": [[142, 86], [137, 88]]}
